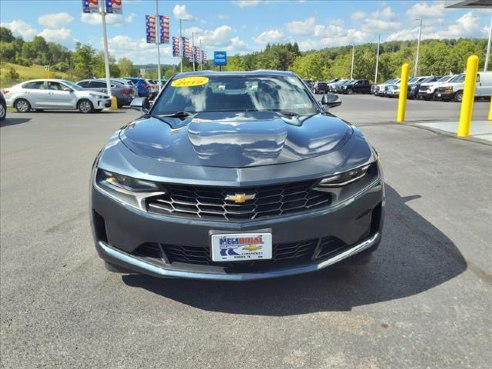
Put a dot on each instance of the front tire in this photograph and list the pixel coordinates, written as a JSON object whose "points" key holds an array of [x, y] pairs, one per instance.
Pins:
{"points": [[458, 96], [350, 91], [3, 111], [22, 106], [85, 106]]}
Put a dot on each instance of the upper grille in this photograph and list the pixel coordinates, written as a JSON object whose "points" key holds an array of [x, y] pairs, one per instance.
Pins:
{"points": [[210, 202]]}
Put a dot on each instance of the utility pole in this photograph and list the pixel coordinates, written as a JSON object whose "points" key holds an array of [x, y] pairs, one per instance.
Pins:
{"points": [[102, 11], [181, 43], [377, 61], [418, 49], [201, 55], [487, 55], [352, 68], [157, 42], [193, 48]]}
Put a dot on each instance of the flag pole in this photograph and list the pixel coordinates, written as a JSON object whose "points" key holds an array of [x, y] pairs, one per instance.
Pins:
{"points": [[102, 11], [157, 42], [201, 55]]}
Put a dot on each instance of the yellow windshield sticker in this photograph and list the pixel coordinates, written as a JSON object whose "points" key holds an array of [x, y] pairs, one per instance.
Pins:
{"points": [[189, 82]]}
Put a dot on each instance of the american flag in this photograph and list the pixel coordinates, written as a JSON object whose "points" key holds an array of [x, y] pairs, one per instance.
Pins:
{"points": [[187, 49], [176, 46], [150, 28], [90, 6], [164, 23]]}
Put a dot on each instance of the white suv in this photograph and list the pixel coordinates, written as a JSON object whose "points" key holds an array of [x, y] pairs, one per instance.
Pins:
{"points": [[427, 90], [54, 94]]}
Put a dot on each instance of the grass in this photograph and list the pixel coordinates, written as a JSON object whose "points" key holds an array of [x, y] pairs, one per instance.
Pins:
{"points": [[25, 73]]}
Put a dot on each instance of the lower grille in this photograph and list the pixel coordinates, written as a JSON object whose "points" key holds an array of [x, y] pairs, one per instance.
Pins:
{"points": [[284, 254], [210, 202]]}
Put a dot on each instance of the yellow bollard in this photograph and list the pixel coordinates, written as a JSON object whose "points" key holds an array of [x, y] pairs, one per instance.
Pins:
{"points": [[468, 96], [114, 103], [490, 109], [402, 101]]}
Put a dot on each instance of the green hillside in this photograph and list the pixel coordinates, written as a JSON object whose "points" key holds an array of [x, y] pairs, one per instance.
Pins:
{"points": [[7, 77]]}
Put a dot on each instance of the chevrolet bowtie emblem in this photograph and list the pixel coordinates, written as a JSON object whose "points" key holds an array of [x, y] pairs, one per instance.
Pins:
{"points": [[240, 198]]}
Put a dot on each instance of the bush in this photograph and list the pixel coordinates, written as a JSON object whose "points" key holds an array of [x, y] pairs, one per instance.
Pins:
{"points": [[12, 74]]}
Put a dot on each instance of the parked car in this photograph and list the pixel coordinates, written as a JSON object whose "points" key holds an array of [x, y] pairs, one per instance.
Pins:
{"points": [[427, 90], [166, 198], [123, 92], [334, 86], [3, 107], [359, 86], [454, 90], [54, 94], [394, 89], [383, 88], [143, 89], [320, 87], [331, 83], [414, 88], [338, 87]]}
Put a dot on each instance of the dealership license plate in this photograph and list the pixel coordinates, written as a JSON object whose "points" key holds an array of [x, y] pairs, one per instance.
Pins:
{"points": [[241, 246]]}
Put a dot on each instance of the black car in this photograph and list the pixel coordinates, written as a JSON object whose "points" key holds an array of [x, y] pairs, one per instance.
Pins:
{"points": [[320, 87], [358, 86], [3, 107], [236, 176]]}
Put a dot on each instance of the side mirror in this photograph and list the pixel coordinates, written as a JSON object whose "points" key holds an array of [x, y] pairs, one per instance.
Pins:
{"points": [[140, 103], [330, 100]]}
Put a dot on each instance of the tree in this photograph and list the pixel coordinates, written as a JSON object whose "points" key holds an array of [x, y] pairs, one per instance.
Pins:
{"points": [[83, 60], [6, 35], [126, 67]]}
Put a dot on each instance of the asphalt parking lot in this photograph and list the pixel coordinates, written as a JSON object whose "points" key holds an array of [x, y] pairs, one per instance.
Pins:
{"points": [[423, 302]]}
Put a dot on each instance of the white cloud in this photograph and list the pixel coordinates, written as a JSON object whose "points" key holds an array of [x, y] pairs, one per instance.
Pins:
{"points": [[115, 19], [358, 15], [424, 10], [245, 3], [381, 21], [56, 35], [56, 20], [466, 26], [21, 28], [217, 37], [180, 12], [273, 35], [137, 50], [304, 27]]}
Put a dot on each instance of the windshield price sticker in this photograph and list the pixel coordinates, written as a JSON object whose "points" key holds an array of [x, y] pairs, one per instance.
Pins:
{"points": [[190, 82]]}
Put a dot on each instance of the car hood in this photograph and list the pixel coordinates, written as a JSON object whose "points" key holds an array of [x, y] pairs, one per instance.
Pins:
{"points": [[235, 140], [92, 93]]}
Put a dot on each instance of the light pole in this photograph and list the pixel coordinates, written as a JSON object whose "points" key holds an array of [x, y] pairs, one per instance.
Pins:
{"points": [[352, 67], [418, 49], [377, 61], [102, 10], [157, 42], [487, 55]]}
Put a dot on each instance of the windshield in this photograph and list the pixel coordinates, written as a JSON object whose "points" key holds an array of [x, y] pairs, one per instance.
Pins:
{"points": [[444, 79], [72, 85], [459, 78], [225, 93]]}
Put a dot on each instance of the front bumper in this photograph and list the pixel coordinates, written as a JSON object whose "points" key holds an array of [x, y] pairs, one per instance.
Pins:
{"points": [[120, 231], [444, 95]]}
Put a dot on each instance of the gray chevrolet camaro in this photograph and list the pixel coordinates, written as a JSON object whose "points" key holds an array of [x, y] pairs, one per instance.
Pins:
{"points": [[236, 176]]}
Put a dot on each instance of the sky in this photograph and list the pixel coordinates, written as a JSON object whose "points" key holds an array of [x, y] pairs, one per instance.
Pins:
{"points": [[242, 26]]}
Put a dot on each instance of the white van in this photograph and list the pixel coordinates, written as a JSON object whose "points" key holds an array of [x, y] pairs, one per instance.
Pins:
{"points": [[454, 90]]}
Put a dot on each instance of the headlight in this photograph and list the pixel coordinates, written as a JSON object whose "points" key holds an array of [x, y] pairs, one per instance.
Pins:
{"points": [[345, 178], [129, 190]]}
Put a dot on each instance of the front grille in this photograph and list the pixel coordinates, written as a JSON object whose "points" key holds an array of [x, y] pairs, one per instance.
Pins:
{"points": [[283, 255], [209, 202]]}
